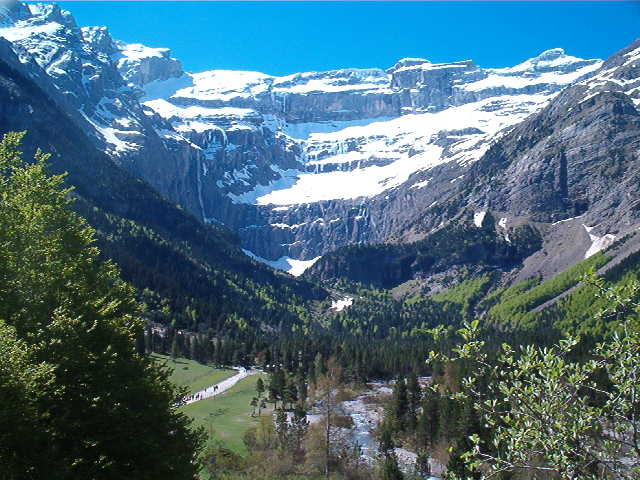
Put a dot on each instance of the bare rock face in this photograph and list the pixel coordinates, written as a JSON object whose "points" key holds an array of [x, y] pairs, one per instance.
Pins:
{"points": [[570, 172], [307, 163], [141, 65]]}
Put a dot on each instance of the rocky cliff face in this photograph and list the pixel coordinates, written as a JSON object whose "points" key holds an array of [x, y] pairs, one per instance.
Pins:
{"points": [[569, 172], [303, 164]]}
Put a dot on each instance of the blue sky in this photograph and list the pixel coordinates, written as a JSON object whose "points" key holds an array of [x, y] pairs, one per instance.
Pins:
{"points": [[281, 38]]}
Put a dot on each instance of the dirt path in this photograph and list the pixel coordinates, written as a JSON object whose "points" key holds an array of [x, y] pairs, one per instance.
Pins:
{"points": [[221, 387]]}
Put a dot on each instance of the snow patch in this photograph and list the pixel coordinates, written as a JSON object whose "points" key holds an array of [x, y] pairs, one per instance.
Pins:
{"points": [[340, 305], [478, 218], [421, 184], [287, 264], [598, 243]]}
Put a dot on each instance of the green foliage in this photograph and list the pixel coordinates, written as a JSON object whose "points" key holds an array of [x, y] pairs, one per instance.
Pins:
{"points": [[71, 328], [517, 303], [465, 295], [549, 414], [22, 382]]}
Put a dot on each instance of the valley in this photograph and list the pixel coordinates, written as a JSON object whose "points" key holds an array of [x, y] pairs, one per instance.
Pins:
{"points": [[350, 274]]}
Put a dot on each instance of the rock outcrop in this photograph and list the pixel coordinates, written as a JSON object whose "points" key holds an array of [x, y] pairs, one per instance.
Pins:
{"points": [[304, 164]]}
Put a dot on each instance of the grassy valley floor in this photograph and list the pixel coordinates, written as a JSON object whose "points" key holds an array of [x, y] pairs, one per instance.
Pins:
{"points": [[228, 416]]}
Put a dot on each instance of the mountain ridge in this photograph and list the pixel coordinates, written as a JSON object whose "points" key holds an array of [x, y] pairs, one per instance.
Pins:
{"points": [[304, 165]]}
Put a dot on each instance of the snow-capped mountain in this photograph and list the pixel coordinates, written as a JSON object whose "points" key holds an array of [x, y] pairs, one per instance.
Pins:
{"points": [[302, 164], [311, 151], [83, 64], [554, 189], [354, 133]]}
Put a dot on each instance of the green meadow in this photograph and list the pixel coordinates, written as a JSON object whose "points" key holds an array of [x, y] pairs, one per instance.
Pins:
{"points": [[228, 416]]}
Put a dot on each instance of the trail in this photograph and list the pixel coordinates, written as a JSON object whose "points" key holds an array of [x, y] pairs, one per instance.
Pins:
{"points": [[220, 388]]}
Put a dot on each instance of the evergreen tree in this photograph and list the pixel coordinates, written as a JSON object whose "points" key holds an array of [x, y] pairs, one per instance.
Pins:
{"points": [[390, 468], [290, 392], [260, 387], [277, 383], [428, 421], [107, 411], [415, 396], [400, 404], [423, 467], [175, 350]]}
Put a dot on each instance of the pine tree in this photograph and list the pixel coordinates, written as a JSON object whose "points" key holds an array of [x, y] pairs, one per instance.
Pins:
{"points": [[400, 404], [277, 383], [175, 350], [73, 313], [260, 387], [415, 396], [390, 468], [423, 467], [428, 421], [290, 392]]}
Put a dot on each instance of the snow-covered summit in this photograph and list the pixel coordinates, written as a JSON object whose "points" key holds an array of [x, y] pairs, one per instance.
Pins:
{"points": [[140, 65], [284, 160], [407, 62], [359, 131], [554, 60]]}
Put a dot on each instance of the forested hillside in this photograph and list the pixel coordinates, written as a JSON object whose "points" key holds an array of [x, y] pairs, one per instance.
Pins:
{"points": [[183, 265]]}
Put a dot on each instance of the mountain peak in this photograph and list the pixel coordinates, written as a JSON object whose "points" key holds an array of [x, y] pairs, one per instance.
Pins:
{"points": [[551, 54], [140, 65], [12, 11], [408, 62]]}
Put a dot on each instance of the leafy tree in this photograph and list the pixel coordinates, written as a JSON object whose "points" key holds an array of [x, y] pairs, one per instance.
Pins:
{"points": [[298, 431], [22, 382], [282, 429], [547, 413], [108, 412]]}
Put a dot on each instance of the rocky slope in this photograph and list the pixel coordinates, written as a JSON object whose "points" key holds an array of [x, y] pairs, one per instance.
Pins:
{"points": [[304, 164], [569, 172], [181, 263]]}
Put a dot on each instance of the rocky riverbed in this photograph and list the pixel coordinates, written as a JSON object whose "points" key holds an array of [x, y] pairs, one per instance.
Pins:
{"points": [[367, 411]]}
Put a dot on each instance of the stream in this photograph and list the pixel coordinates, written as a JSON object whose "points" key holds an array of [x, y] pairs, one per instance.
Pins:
{"points": [[366, 411]]}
